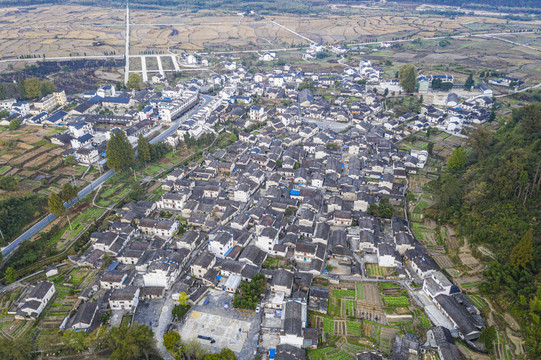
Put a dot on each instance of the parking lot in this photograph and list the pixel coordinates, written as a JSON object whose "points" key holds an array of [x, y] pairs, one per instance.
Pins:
{"points": [[227, 327]]}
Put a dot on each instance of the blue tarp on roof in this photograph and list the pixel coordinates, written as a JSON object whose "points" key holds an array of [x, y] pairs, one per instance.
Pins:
{"points": [[272, 353], [295, 193]]}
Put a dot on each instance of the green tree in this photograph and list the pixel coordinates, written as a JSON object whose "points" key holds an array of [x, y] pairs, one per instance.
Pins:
{"points": [[430, 148], [70, 161], [228, 354], [307, 84], [172, 342], [17, 349], [408, 78], [134, 82], [487, 338], [75, 340], [143, 148], [14, 124], [56, 206], [10, 275], [4, 113], [250, 293], [457, 160], [469, 82], [119, 152], [32, 88], [20, 85], [47, 87], [9, 183], [69, 192], [180, 310], [131, 342], [183, 298], [522, 253]]}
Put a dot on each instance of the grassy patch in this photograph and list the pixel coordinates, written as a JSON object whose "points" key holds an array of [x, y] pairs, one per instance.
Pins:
{"points": [[360, 291], [353, 328], [339, 293], [396, 301], [328, 326]]}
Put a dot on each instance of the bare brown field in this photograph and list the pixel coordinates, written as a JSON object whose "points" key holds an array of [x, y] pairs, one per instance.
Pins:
{"points": [[62, 30]]}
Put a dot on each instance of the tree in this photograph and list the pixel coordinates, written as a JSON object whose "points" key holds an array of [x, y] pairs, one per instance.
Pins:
{"points": [[430, 148], [457, 160], [32, 88], [56, 206], [469, 82], [17, 349], [47, 87], [8, 183], [14, 124], [180, 310], [408, 78], [70, 161], [384, 209], [228, 354], [183, 298], [195, 350], [487, 337], [250, 292], [10, 275], [119, 152], [522, 253], [20, 85], [134, 82], [143, 148], [131, 342], [172, 341], [75, 340], [69, 192], [307, 84], [386, 92]]}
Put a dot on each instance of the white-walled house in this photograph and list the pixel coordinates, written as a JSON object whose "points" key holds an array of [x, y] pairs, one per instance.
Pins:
{"points": [[36, 301], [267, 239], [125, 299]]}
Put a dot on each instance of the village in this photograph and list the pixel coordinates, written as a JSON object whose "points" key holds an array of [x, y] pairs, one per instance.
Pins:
{"points": [[312, 194]]}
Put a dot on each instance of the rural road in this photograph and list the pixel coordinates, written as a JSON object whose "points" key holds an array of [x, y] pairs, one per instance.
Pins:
{"points": [[127, 51], [93, 185]]}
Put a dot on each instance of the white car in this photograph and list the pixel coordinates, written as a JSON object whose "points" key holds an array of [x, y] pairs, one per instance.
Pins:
{"points": [[258, 309]]}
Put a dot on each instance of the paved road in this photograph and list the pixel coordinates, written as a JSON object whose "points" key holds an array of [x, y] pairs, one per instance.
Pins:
{"points": [[127, 51], [36, 228]]}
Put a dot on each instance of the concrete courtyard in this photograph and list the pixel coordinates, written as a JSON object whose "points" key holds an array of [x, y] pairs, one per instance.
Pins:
{"points": [[236, 330]]}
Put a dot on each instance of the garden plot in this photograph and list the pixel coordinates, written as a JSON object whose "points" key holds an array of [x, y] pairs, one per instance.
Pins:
{"points": [[468, 260], [372, 295], [443, 261]]}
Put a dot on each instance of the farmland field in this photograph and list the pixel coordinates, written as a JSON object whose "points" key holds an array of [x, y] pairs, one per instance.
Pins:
{"points": [[396, 301]]}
